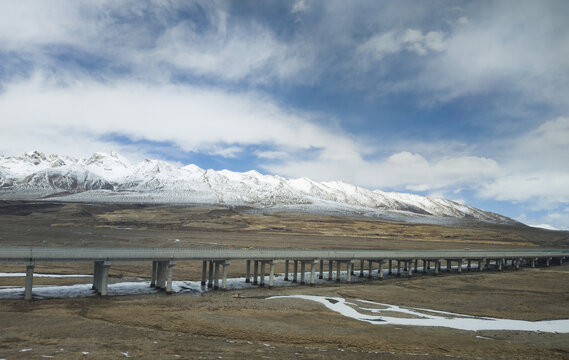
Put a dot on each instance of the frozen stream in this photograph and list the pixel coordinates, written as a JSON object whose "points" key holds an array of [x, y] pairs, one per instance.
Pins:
{"points": [[371, 312]]}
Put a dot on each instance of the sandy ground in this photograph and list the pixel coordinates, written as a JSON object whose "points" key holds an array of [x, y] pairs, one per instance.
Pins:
{"points": [[242, 323]]}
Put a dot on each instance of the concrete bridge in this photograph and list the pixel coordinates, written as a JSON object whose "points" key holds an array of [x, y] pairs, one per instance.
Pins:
{"points": [[215, 262]]}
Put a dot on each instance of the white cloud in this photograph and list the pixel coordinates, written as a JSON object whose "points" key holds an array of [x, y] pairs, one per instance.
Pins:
{"points": [[43, 111], [391, 42], [143, 37], [299, 6]]}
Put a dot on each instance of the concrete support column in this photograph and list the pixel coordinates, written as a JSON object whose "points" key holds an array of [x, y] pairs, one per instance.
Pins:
{"points": [[532, 263], [560, 261], [369, 266], [350, 269], [330, 269], [104, 279], [29, 281], [518, 262], [500, 264], [216, 276], [480, 268], [225, 265], [286, 270], [416, 265], [210, 275], [338, 270], [248, 271], [362, 268], [96, 275], [256, 272], [437, 266], [547, 262], [449, 265], [424, 265], [380, 270], [321, 276], [204, 272], [171, 265], [271, 274], [428, 264], [460, 265], [313, 273], [295, 271], [398, 267], [302, 272], [469, 265], [389, 271], [410, 271], [161, 275], [262, 284]]}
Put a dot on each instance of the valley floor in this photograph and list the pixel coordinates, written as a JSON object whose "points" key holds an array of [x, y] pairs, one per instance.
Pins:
{"points": [[243, 323]]}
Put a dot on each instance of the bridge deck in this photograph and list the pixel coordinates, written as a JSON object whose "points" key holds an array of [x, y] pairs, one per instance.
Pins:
{"points": [[56, 254]]}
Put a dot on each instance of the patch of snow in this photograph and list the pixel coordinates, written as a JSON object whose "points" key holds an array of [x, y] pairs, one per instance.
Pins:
{"points": [[422, 317], [545, 226]]}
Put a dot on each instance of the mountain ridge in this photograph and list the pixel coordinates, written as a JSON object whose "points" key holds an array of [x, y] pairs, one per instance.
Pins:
{"points": [[111, 177]]}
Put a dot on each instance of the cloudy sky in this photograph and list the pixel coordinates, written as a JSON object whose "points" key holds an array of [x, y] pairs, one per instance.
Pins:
{"points": [[467, 100]]}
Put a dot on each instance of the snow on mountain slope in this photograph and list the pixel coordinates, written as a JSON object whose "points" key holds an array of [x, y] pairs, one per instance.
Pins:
{"points": [[111, 177]]}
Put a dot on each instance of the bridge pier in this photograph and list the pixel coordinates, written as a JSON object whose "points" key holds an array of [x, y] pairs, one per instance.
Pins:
{"points": [[449, 265], [271, 273], [380, 269], [398, 267], [389, 272], [29, 281], [248, 271], [416, 265], [321, 275], [210, 275], [369, 266], [437, 266], [256, 272], [101, 276], [410, 270], [330, 269], [313, 273], [424, 266], [262, 275], [225, 264], [216, 275], [350, 270], [459, 265], [152, 279], [171, 265], [286, 270], [338, 270], [204, 272], [295, 271], [302, 272]]}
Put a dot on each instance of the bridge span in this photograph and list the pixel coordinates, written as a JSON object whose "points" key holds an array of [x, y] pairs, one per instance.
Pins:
{"points": [[215, 262]]}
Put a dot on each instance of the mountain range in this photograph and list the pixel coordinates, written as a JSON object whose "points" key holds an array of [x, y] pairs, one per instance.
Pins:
{"points": [[105, 177]]}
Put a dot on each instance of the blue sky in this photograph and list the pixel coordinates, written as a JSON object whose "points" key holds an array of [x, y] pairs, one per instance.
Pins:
{"points": [[457, 99]]}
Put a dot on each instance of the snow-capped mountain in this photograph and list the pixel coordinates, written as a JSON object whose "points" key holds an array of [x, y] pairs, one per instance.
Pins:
{"points": [[112, 178]]}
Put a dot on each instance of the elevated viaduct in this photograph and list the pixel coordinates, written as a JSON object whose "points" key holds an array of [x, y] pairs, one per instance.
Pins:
{"points": [[215, 262]]}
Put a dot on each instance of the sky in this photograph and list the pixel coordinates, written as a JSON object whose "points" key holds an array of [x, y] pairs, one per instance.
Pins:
{"points": [[464, 100]]}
